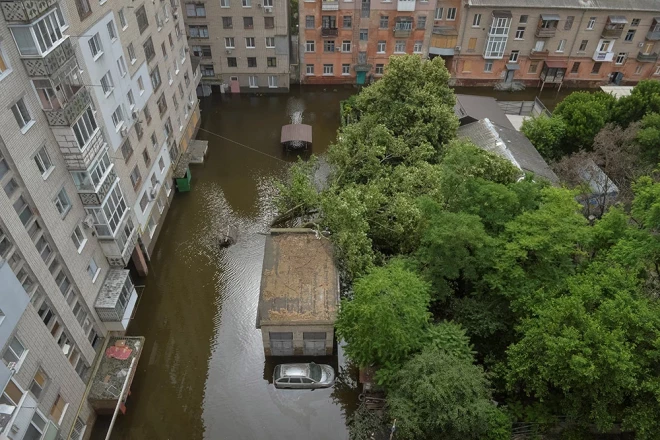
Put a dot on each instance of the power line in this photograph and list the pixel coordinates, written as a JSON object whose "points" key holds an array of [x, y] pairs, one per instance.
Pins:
{"points": [[243, 145]]}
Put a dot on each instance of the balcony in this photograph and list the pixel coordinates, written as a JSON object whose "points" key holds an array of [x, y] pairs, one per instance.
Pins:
{"points": [[547, 27], [603, 56], [329, 32], [403, 27], [52, 62], [654, 32], [95, 196], [538, 54], [614, 26], [647, 57], [402, 32], [116, 300], [71, 110], [25, 11], [405, 5], [328, 5], [75, 157]]}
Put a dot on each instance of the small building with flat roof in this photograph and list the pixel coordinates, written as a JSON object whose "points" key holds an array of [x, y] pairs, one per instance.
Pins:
{"points": [[299, 294]]}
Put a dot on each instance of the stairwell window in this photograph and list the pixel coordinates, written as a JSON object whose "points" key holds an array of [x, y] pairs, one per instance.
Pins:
{"points": [[591, 23], [488, 66], [44, 163], [95, 46], [22, 115], [476, 20], [62, 203]]}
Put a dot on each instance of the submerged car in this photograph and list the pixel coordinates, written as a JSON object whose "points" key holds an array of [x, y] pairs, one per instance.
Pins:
{"points": [[303, 376]]}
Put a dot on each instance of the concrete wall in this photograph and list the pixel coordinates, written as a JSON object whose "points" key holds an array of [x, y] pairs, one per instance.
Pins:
{"points": [[298, 331]]}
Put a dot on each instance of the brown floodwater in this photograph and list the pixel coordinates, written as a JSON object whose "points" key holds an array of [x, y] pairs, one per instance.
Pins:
{"points": [[203, 374]]}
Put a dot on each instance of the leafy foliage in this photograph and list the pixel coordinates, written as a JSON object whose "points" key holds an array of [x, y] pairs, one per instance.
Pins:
{"points": [[583, 114], [644, 99], [547, 134]]}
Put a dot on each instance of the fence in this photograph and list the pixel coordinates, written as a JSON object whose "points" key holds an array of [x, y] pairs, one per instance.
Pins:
{"points": [[524, 108]]}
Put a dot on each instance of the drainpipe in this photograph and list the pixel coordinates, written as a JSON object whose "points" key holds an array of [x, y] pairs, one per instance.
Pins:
{"points": [[467, 5]]}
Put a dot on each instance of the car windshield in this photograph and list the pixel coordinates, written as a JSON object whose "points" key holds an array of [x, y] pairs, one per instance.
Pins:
{"points": [[276, 374], [315, 372]]}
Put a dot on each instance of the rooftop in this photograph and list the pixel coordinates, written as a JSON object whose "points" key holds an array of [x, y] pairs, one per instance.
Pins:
{"points": [[114, 366], [299, 280], [624, 5], [111, 288], [508, 144], [471, 108]]}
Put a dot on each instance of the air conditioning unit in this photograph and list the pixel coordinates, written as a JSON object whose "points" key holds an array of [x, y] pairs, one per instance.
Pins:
{"points": [[337, 49], [89, 221], [268, 9], [457, 49], [123, 132]]}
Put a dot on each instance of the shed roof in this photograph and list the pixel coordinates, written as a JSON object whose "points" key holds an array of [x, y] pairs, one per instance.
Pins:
{"points": [[296, 132], [480, 107], [113, 367], [299, 280], [626, 5], [508, 144]]}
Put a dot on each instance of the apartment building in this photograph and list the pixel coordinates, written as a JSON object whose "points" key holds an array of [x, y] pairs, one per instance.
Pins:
{"points": [[242, 45], [350, 42], [539, 43], [79, 89]]}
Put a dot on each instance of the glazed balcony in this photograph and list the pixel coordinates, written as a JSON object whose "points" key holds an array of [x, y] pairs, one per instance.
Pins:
{"points": [[93, 185], [647, 57], [116, 300], [654, 32], [329, 32], [329, 5], [405, 5], [403, 28], [52, 62], [66, 113], [601, 56], [25, 11]]}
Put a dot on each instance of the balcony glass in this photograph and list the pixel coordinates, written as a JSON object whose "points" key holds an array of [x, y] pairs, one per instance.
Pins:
{"points": [[109, 215], [54, 96], [41, 37], [92, 179]]}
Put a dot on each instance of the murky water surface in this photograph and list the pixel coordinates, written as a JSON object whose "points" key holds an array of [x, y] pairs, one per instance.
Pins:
{"points": [[203, 374]]}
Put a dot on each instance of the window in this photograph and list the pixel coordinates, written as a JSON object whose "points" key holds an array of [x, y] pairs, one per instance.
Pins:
{"points": [[198, 31], [43, 162], [106, 83], [569, 22], [62, 202], [635, 22], [247, 3], [229, 42], [272, 81], [657, 70], [417, 47], [451, 14], [121, 65], [514, 56], [380, 69], [231, 62], [95, 45], [140, 84], [38, 383], [583, 46], [207, 70], [520, 33], [523, 19], [227, 23], [329, 46], [131, 99], [576, 67], [162, 104], [630, 35], [118, 117], [149, 51], [309, 22], [328, 69], [381, 46], [154, 141], [605, 46], [309, 46], [309, 69], [268, 3], [9, 188], [58, 409], [252, 81], [269, 22], [476, 20], [136, 177], [248, 23], [78, 430], [561, 45], [638, 70], [195, 10], [438, 14], [201, 51], [122, 19], [161, 165], [142, 21], [251, 61], [596, 68], [42, 36], [533, 67], [472, 44], [271, 62], [83, 8], [270, 42], [347, 22], [364, 34], [131, 53], [23, 210], [384, 21], [620, 58], [488, 66], [346, 46], [249, 42], [345, 69], [126, 150], [224, 3], [15, 351], [22, 115], [112, 33], [164, 50], [421, 22], [591, 23], [78, 238], [400, 46], [155, 78], [44, 249]]}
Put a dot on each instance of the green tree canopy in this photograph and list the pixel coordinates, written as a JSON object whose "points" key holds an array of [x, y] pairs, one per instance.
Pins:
{"points": [[584, 114], [547, 134], [645, 98]]}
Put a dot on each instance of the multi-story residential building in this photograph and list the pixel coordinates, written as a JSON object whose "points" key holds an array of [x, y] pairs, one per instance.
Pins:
{"points": [[243, 45], [535, 42], [80, 85], [350, 41]]}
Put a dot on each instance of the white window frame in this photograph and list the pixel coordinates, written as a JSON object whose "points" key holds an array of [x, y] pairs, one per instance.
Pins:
{"points": [[62, 202], [118, 118], [95, 46], [20, 358], [272, 81], [270, 42], [488, 66], [78, 238], [310, 44], [107, 84], [346, 46], [122, 19], [381, 46], [309, 69], [253, 81], [250, 43], [591, 23], [44, 163], [451, 14], [328, 69], [561, 46], [513, 58], [476, 20], [54, 24], [438, 13], [345, 69], [230, 43], [112, 32], [400, 46], [22, 115], [93, 269], [121, 65], [417, 47]]}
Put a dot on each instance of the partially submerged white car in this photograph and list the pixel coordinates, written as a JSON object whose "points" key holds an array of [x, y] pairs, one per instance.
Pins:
{"points": [[303, 376]]}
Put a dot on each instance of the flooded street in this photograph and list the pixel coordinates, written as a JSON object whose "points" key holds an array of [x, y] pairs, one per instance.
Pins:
{"points": [[203, 374]]}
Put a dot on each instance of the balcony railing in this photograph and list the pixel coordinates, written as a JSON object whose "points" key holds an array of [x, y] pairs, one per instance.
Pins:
{"points": [[68, 114], [405, 5], [603, 56], [328, 5], [51, 63], [96, 196], [612, 32], [546, 32], [653, 35], [74, 158], [647, 57], [329, 32], [25, 10], [403, 29], [538, 54]]}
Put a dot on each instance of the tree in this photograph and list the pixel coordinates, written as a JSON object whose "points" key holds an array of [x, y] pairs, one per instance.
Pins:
{"points": [[645, 98], [439, 396], [584, 114], [648, 138], [387, 319], [365, 424], [547, 135]]}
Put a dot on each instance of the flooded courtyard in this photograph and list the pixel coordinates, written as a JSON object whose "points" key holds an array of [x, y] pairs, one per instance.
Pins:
{"points": [[203, 374]]}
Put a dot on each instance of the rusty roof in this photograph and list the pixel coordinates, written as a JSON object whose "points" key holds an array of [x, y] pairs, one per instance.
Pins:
{"points": [[299, 280]]}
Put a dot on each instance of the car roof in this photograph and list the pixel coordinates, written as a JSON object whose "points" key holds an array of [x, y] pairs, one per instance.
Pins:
{"points": [[294, 370]]}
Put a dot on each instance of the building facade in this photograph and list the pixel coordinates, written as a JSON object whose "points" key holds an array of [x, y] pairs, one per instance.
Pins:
{"points": [[93, 118], [350, 42], [535, 43], [243, 45]]}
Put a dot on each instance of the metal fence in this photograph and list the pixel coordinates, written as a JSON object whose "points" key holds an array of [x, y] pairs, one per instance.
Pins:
{"points": [[524, 108]]}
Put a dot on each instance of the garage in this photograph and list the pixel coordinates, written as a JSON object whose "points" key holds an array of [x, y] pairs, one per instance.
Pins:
{"points": [[281, 343], [314, 343]]}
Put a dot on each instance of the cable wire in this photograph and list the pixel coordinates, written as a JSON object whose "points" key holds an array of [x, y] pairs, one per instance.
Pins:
{"points": [[243, 145]]}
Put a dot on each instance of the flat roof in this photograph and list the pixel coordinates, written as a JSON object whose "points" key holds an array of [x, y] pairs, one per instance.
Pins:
{"points": [[109, 378], [618, 91], [296, 132], [299, 279], [480, 107]]}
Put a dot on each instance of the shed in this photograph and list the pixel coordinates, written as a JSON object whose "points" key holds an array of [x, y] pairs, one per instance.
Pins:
{"points": [[299, 294], [471, 108], [296, 136]]}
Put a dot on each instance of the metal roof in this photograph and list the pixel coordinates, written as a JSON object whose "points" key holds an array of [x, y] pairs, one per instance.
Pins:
{"points": [[627, 5], [476, 107], [296, 132], [550, 17], [617, 19]]}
